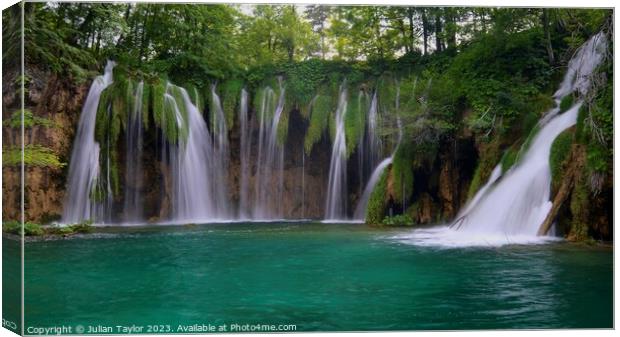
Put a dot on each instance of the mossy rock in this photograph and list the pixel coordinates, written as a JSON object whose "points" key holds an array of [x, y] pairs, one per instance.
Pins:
{"points": [[566, 103], [560, 151], [377, 203]]}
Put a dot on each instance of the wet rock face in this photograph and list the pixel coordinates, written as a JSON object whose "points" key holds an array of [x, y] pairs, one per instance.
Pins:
{"points": [[60, 102]]}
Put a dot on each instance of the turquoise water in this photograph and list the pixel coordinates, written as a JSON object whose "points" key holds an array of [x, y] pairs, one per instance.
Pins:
{"points": [[316, 276]]}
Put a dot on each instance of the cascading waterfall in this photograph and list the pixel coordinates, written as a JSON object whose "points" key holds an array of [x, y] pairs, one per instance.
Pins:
{"points": [[84, 164], [269, 183], [336, 203], [370, 145], [374, 141], [245, 143], [133, 160], [511, 208], [361, 168], [221, 156], [191, 160], [360, 209]]}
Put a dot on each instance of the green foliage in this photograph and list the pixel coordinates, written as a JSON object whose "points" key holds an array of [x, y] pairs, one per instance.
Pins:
{"points": [[402, 172], [566, 103], [29, 228], [397, 220], [169, 111], [303, 79], [560, 150], [34, 155], [321, 109], [497, 75], [231, 94], [387, 92], [13, 227], [377, 201], [355, 120], [83, 227], [30, 120]]}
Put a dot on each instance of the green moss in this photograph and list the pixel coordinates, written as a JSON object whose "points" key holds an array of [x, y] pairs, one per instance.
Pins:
{"points": [[489, 158], [387, 89], [560, 150], [355, 120], [170, 99], [528, 141], [320, 112], [158, 89], [579, 206], [375, 210], [566, 103], [402, 172], [597, 158], [508, 159], [282, 131], [231, 93], [34, 155]]}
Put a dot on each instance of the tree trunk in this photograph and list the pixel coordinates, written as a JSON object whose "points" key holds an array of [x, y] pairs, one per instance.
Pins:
{"points": [[411, 30], [547, 31], [558, 201], [425, 30], [438, 43], [403, 32], [452, 32]]}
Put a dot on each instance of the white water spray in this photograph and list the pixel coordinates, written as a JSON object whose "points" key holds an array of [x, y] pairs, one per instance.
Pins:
{"points": [[336, 203], [84, 164], [511, 209]]}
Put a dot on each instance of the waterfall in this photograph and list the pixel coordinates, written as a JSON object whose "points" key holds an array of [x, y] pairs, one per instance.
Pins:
{"points": [[244, 156], [511, 208], [495, 174], [84, 164], [191, 160], [362, 176], [269, 183], [360, 210], [220, 156], [133, 160], [373, 141], [336, 203], [519, 202], [370, 144]]}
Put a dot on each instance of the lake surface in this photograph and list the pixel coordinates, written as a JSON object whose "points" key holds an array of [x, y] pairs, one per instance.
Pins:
{"points": [[329, 277]]}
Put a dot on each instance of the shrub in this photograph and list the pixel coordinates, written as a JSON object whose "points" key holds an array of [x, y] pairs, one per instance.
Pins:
{"points": [[402, 172], [398, 220], [83, 227], [29, 228], [34, 155], [30, 120]]}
